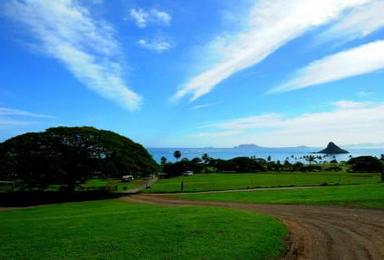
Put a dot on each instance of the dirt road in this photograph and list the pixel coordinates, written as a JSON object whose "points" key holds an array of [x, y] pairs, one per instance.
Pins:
{"points": [[316, 232], [145, 185], [5, 209]]}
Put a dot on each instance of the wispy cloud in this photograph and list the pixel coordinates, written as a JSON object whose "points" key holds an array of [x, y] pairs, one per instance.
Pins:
{"points": [[348, 104], [258, 121], [157, 45], [353, 62], [5, 111], [11, 117], [217, 134], [12, 123], [270, 25], [359, 23], [363, 93], [205, 105], [345, 124], [87, 47], [143, 17]]}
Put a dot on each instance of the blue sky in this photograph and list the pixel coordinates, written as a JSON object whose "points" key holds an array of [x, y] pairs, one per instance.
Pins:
{"points": [[196, 73]]}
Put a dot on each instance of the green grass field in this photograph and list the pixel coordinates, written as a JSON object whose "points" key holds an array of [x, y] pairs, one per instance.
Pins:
{"points": [[210, 182], [119, 230], [365, 195]]}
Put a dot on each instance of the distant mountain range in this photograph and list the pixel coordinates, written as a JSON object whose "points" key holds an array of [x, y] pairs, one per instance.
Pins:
{"points": [[331, 148], [257, 147]]}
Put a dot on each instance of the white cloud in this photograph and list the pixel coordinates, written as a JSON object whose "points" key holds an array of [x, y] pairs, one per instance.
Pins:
{"points": [[162, 17], [143, 18], [5, 111], [345, 104], [359, 23], [344, 125], [157, 45], [270, 25], [353, 62], [86, 46], [139, 16]]}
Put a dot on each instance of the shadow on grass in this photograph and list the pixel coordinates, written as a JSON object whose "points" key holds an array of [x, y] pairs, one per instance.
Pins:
{"points": [[24, 199]]}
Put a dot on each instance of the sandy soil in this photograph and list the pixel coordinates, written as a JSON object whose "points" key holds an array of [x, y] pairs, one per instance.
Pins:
{"points": [[6, 209], [315, 232]]}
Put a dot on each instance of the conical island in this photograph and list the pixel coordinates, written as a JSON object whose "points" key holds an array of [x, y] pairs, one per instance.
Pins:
{"points": [[333, 149]]}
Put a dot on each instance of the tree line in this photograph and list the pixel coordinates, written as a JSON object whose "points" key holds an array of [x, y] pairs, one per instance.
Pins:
{"points": [[206, 164]]}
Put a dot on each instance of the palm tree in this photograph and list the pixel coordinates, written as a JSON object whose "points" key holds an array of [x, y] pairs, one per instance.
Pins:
{"points": [[177, 155], [205, 158], [163, 160], [310, 159]]}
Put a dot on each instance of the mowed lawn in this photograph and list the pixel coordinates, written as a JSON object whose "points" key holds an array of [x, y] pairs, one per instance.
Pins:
{"points": [[116, 229], [225, 181], [365, 196]]}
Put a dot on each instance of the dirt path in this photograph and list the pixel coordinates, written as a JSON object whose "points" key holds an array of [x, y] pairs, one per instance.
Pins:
{"points": [[240, 190], [142, 187], [12, 208], [5, 209], [316, 232]]}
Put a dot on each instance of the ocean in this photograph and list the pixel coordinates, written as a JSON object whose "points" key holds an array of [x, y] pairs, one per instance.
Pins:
{"points": [[293, 154]]}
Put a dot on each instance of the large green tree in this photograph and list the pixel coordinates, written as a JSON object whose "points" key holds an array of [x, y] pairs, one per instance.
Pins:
{"points": [[366, 164], [71, 155]]}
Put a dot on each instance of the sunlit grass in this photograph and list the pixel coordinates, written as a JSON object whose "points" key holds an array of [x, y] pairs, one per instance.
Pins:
{"points": [[121, 230], [214, 181], [366, 195]]}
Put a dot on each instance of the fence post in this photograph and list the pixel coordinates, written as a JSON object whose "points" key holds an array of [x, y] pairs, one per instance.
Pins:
{"points": [[182, 186]]}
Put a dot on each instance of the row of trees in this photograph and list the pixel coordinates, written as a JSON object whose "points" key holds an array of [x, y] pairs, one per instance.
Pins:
{"points": [[253, 164], [310, 159]]}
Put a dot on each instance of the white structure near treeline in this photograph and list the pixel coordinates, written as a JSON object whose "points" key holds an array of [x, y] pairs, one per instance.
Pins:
{"points": [[188, 173], [127, 178]]}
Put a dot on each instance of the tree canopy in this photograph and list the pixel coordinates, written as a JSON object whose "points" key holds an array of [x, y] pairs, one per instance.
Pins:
{"points": [[177, 154], [366, 164], [70, 155]]}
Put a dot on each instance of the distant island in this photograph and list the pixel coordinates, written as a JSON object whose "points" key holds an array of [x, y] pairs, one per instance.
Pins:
{"points": [[333, 149], [247, 146]]}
